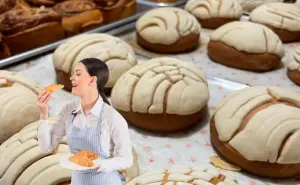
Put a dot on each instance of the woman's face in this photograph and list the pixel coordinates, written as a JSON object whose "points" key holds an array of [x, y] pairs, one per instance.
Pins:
{"points": [[80, 80]]}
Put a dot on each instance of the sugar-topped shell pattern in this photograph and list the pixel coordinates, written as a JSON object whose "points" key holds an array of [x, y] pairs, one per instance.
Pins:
{"points": [[23, 163], [207, 9], [18, 96], [278, 15], [165, 87], [249, 5], [116, 53], [256, 38], [262, 125], [167, 25], [184, 175]]}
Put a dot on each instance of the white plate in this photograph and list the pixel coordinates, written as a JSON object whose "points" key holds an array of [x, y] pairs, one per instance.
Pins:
{"points": [[66, 163]]}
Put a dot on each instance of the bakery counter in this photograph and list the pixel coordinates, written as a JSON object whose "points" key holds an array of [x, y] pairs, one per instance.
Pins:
{"points": [[155, 152]]}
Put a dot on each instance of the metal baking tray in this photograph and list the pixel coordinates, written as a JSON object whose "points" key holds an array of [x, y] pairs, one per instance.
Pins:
{"points": [[149, 3], [142, 7]]}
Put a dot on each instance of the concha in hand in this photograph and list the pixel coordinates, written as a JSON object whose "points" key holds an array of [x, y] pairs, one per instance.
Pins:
{"points": [[282, 18], [258, 129], [116, 53], [293, 67], [246, 45], [214, 13], [168, 30], [18, 96], [185, 175], [162, 94], [23, 163]]}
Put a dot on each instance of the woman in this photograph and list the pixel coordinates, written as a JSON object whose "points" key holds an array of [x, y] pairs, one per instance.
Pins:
{"points": [[89, 124]]}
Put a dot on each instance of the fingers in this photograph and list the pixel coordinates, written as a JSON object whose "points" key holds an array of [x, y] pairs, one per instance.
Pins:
{"points": [[43, 97], [47, 99]]}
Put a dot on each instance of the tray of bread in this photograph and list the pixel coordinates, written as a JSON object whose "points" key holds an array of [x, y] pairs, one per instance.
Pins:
{"points": [[80, 161]]}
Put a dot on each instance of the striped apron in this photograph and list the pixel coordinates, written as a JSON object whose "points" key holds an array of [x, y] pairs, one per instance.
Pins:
{"points": [[89, 139]]}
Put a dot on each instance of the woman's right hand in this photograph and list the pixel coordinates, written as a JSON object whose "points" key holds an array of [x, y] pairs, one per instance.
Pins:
{"points": [[42, 103]]}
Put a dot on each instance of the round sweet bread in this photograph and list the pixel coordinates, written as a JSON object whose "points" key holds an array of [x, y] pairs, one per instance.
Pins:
{"points": [[214, 13], [168, 30], [257, 128], [246, 45], [184, 175], [24, 164], [282, 18], [162, 94], [18, 97], [117, 54], [293, 68], [249, 5]]}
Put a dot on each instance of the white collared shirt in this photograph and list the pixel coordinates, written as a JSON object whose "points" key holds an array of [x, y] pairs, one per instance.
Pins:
{"points": [[114, 132]]}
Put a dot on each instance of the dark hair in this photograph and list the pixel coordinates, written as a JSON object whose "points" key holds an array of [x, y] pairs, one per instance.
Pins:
{"points": [[98, 68]]}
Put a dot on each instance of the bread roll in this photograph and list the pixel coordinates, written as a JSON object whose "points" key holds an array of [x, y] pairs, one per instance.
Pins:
{"points": [[18, 96], [117, 54], [168, 30], [246, 45], [282, 18], [249, 5], [184, 175], [27, 29], [214, 13], [162, 95], [115, 10], [257, 128], [79, 15], [293, 67], [24, 164]]}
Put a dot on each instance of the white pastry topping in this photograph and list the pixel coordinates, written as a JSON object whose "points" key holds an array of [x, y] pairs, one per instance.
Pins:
{"points": [[167, 25], [206, 9]]}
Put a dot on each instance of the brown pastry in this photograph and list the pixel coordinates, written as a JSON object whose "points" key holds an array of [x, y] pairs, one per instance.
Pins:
{"points": [[79, 15], [282, 18], [257, 129], [293, 67], [39, 3], [161, 95], [4, 50], [260, 49], [168, 30], [26, 29], [114, 10], [87, 154], [6, 5], [213, 14]]}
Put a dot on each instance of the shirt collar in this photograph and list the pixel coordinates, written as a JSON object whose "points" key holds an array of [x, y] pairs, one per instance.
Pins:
{"points": [[95, 110]]}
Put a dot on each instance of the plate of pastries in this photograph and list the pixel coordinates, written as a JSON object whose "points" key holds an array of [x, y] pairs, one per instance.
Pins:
{"points": [[79, 161]]}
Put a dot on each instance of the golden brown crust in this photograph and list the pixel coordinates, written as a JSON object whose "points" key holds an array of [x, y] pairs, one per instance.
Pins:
{"points": [[214, 23], [4, 50], [184, 44], [266, 169], [115, 12], [46, 33], [163, 123], [226, 55], [42, 2], [18, 20], [79, 16], [6, 5], [294, 75]]}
